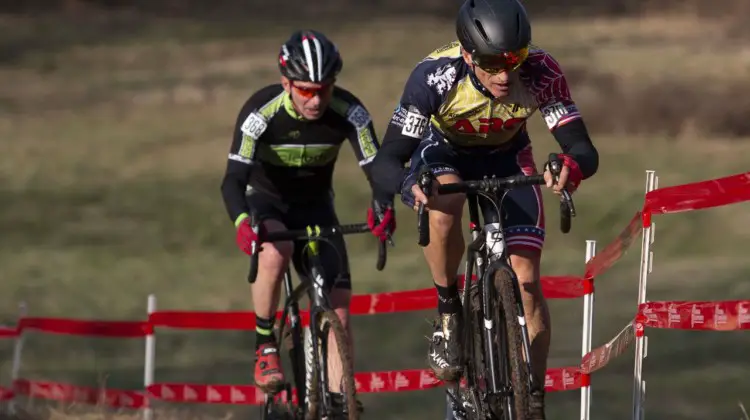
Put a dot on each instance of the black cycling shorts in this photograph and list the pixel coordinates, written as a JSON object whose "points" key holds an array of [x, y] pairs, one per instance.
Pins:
{"points": [[334, 261], [522, 208]]}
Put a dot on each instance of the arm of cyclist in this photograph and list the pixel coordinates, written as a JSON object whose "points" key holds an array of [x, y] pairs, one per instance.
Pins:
{"points": [[405, 131], [249, 126], [380, 214], [579, 155]]}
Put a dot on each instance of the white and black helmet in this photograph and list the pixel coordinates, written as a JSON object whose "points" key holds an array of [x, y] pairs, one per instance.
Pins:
{"points": [[309, 56]]}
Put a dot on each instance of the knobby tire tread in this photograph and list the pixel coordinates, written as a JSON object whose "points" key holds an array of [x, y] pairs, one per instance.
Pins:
{"points": [[519, 375], [348, 387], [311, 378], [476, 362]]}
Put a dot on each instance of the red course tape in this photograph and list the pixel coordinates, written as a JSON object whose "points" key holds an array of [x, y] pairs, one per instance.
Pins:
{"points": [[693, 315], [696, 315], [8, 332], [81, 394]]}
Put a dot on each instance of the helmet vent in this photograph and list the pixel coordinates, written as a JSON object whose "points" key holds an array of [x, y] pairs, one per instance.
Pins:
{"points": [[472, 4], [481, 30]]}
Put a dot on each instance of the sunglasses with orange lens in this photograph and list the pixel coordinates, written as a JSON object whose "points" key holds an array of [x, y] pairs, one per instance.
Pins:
{"points": [[310, 92], [507, 61]]}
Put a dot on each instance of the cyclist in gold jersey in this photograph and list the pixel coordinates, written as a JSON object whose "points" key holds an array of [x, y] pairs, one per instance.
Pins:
{"points": [[463, 115]]}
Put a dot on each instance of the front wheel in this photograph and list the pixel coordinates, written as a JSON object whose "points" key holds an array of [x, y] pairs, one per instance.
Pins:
{"points": [[512, 362], [328, 324]]}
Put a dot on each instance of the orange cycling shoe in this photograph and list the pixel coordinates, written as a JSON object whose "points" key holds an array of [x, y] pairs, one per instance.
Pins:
{"points": [[268, 374]]}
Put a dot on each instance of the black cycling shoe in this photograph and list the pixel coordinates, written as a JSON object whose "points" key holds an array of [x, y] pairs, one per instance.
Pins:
{"points": [[536, 405], [444, 355]]}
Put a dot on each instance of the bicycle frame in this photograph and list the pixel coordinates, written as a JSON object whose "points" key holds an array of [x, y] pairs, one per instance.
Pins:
{"points": [[319, 302], [483, 249], [488, 251]]}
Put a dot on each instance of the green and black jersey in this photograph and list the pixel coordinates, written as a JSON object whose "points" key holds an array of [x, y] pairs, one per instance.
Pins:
{"points": [[277, 152]]}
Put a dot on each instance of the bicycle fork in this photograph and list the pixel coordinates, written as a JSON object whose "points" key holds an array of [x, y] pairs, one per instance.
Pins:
{"points": [[496, 257], [524, 328], [484, 275]]}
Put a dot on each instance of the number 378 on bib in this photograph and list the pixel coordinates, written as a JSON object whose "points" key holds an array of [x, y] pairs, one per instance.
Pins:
{"points": [[415, 125]]}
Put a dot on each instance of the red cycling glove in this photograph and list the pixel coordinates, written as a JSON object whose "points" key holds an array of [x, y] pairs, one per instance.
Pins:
{"points": [[381, 226], [247, 238], [575, 176]]}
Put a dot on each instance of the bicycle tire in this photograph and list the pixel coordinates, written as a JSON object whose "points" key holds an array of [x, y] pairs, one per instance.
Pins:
{"points": [[477, 370], [507, 311], [329, 321]]}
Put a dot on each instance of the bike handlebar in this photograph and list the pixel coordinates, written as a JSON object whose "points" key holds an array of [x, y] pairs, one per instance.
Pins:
{"points": [[426, 178], [491, 184], [302, 234]]}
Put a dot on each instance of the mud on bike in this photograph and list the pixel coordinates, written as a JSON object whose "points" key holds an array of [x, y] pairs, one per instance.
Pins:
{"points": [[309, 360], [495, 344]]}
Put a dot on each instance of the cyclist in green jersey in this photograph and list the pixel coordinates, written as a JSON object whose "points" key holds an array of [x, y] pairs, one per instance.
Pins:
{"points": [[285, 146]]}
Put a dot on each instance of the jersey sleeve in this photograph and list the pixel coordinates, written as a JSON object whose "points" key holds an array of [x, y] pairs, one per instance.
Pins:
{"points": [[421, 98], [551, 91], [362, 133], [248, 129], [364, 141], [561, 113]]}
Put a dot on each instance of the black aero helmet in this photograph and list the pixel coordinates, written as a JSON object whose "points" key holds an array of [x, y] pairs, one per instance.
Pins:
{"points": [[309, 56], [489, 27]]}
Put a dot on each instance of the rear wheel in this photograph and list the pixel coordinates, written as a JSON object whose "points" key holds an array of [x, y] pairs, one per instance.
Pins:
{"points": [[512, 359], [329, 324]]}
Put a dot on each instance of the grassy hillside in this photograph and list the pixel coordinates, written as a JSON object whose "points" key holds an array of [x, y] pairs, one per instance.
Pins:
{"points": [[112, 155]]}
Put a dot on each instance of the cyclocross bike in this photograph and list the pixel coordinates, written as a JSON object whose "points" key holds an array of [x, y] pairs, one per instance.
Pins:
{"points": [[309, 361], [496, 340]]}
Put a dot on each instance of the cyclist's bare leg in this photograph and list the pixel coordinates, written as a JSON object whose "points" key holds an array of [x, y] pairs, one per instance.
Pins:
{"points": [[340, 299], [266, 290], [446, 247], [272, 263], [525, 263], [443, 255]]}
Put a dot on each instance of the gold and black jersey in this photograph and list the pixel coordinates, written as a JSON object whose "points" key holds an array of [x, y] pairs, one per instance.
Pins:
{"points": [[277, 152], [443, 100]]}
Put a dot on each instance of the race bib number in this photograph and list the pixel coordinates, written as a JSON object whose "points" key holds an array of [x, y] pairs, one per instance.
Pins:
{"points": [[359, 117], [254, 125], [553, 114], [414, 125]]}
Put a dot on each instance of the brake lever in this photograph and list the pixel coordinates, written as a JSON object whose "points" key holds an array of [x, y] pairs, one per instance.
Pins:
{"points": [[567, 207], [379, 213], [565, 198], [568, 200]]}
